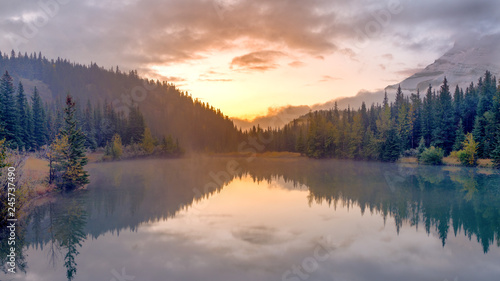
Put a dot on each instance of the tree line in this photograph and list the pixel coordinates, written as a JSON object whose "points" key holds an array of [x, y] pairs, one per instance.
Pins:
{"points": [[387, 131], [29, 123], [166, 110]]}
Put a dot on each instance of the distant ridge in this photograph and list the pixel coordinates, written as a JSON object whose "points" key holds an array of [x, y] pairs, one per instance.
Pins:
{"points": [[464, 63]]}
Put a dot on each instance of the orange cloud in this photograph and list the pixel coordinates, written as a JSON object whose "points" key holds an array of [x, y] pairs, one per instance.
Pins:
{"points": [[259, 61]]}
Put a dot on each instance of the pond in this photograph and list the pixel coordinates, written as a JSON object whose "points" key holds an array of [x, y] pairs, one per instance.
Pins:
{"points": [[267, 219]]}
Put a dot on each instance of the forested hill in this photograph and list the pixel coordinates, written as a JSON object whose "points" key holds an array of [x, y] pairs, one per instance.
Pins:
{"points": [[167, 111]]}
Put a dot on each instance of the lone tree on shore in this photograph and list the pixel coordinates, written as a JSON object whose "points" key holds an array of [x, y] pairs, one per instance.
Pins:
{"points": [[68, 152]]}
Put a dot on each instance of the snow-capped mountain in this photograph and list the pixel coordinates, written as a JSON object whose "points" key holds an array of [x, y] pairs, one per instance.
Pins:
{"points": [[462, 64]]}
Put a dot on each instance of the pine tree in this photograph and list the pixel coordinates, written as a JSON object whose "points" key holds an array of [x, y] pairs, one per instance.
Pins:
{"points": [[23, 117], [444, 132], [404, 125], [74, 159], [470, 108], [458, 97], [421, 146], [39, 122], [89, 129], [391, 147], [487, 90], [136, 126], [495, 155], [415, 118], [9, 112], [460, 137], [428, 116], [300, 146], [398, 104], [484, 126], [389, 141]]}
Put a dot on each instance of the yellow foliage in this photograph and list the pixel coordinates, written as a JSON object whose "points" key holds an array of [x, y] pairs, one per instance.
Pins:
{"points": [[148, 142]]}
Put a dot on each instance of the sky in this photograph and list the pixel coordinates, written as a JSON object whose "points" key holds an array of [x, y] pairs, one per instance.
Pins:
{"points": [[250, 57]]}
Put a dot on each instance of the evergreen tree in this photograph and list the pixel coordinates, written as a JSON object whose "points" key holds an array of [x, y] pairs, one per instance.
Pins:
{"points": [[136, 126], [39, 122], [389, 140], [88, 126], [23, 117], [458, 97], [300, 146], [487, 90], [404, 125], [428, 116], [444, 132], [74, 159], [495, 155], [421, 146], [460, 137], [391, 148], [415, 119], [470, 108], [9, 112]]}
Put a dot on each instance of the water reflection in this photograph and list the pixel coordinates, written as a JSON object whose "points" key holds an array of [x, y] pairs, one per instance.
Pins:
{"points": [[169, 213], [439, 197]]}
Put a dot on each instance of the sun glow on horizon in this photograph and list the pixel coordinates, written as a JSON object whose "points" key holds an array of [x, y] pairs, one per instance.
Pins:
{"points": [[247, 93]]}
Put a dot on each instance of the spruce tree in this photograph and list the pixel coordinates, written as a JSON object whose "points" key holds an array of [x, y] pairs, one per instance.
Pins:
{"points": [[89, 129], [300, 146], [39, 122], [460, 137], [428, 116], [495, 155], [73, 173], [458, 97], [444, 132], [391, 148], [415, 118], [136, 126], [23, 117], [9, 112]]}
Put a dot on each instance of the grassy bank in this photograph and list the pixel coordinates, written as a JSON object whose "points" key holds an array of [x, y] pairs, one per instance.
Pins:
{"points": [[450, 161]]}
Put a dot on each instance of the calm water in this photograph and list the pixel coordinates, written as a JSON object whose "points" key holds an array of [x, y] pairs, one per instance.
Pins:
{"points": [[274, 219]]}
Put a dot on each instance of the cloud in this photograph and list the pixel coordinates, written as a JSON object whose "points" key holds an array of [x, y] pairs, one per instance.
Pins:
{"points": [[349, 53], [137, 34], [213, 76], [327, 78], [296, 64], [388, 56], [408, 72], [260, 60], [174, 79], [216, 80]]}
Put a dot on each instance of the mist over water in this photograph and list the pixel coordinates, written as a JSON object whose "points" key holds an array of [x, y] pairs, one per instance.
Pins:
{"points": [[222, 218]]}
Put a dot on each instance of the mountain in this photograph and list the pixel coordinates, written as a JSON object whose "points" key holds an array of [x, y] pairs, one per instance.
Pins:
{"points": [[167, 111], [464, 63]]}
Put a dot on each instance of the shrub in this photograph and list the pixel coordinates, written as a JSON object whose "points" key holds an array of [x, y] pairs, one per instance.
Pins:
{"points": [[114, 148], [421, 146], [454, 154], [410, 153], [432, 156], [468, 155]]}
